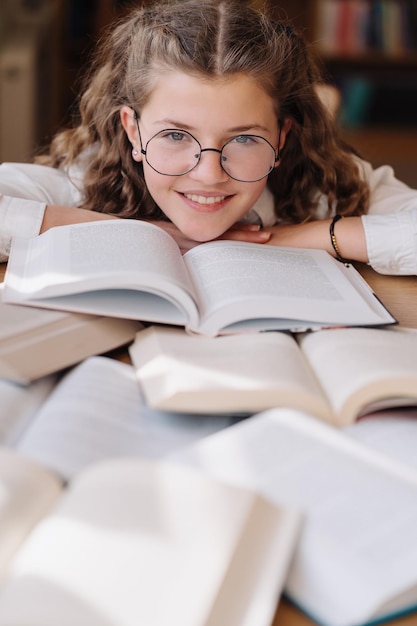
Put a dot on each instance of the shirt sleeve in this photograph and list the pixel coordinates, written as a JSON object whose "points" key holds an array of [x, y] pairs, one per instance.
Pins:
{"points": [[391, 223], [25, 190], [18, 217]]}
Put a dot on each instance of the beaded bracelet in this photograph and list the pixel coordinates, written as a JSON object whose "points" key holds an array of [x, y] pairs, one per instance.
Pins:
{"points": [[334, 241]]}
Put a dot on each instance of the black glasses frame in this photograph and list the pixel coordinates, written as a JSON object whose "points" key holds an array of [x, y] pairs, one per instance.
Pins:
{"points": [[277, 154]]}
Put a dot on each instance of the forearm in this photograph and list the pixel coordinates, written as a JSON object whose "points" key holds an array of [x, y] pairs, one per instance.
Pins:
{"points": [[348, 231], [61, 215]]}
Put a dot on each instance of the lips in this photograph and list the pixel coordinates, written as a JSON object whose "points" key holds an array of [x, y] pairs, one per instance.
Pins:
{"points": [[206, 203], [204, 199]]}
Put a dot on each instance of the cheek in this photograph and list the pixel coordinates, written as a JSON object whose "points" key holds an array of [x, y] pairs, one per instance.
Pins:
{"points": [[251, 194], [156, 184]]}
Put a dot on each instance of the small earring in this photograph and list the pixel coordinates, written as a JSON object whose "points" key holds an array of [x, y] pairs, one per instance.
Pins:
{"points": [[135, 152]]}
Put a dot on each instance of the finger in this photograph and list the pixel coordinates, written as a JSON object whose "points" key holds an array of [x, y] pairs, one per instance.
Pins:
{"points": [[262, 236], [246, 227]]}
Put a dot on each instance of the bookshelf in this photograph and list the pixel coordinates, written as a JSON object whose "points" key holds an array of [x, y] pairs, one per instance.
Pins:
{"points": [[368, 50], [30, 75], [84, 23]]}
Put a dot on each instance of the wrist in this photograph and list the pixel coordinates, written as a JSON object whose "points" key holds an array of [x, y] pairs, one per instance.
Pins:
{"points": [[348, 242], [334, 242]]}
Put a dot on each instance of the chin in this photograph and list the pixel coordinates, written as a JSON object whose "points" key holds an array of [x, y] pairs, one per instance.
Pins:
{"points": [[203, 235], [204, 238]]}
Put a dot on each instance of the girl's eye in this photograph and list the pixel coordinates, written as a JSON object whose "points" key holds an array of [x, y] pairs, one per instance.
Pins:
{"points": [[175, 135], [245, 139]]}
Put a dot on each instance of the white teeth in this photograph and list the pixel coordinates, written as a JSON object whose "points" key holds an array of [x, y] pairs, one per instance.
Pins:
{"points": [[204, 199]]}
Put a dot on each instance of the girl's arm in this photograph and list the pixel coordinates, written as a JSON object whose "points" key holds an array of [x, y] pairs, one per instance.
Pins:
{"points": [[349, 233], [388, 242], [34, 198], [386, 237], [55, 215]]}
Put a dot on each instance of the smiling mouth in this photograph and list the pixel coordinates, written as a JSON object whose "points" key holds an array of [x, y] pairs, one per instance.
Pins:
{"points": [[204, 199]]}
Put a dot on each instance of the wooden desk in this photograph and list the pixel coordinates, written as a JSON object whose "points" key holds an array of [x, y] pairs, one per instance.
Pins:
{"points": [[399, 294]]}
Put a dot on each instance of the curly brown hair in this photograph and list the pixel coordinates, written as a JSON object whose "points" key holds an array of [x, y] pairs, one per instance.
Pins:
{"points": [[211, 39]]}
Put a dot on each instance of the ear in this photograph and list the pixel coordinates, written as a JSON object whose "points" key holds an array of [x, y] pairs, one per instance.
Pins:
{"points": [[284, 129], [129, 123]]}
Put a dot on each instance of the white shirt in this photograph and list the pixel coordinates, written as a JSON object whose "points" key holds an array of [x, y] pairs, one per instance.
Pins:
{"points": [[390, 225]]}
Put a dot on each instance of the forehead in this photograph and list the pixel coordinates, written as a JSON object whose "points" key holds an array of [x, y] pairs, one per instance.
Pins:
{"points": [[195, 101]]}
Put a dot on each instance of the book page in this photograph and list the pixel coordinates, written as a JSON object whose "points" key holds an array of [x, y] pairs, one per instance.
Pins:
{"points": [[135, 543], [304, 288], [19, 404], [97, 412], [62, 339], [226, 374], [15, 320], [27, 492], [61, 343], [107, 267], [358, 546], [392, 432], [363, 368]]}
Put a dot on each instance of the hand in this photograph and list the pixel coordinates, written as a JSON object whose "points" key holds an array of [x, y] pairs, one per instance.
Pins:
{"points": [[251, 233], [183, 242], [239, 232]]}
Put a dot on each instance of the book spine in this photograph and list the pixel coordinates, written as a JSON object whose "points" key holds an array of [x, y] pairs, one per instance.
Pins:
{"points": [[327, 21], [352, 27]]}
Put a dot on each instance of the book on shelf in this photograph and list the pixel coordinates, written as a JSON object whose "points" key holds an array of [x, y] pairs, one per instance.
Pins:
{"points": [[84, 511], [133, 269], [38, 342], [356, 558], [346, 28], [338, 375]]}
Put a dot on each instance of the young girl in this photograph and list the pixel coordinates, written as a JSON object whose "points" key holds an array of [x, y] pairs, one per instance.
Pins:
{"points": [[203, 116]]}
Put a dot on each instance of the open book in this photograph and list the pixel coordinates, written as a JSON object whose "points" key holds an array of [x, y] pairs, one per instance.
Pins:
{"points": [[356, 560], [37, 342], [336, 374], [133, 269], [95, 411], [129, 541], [137, 542]]}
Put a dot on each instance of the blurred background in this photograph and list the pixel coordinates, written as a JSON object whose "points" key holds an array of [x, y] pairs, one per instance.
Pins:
{"points": [[367, 49]]}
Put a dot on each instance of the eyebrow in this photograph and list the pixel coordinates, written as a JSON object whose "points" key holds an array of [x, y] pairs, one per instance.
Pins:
{"points": [[237, 129]]}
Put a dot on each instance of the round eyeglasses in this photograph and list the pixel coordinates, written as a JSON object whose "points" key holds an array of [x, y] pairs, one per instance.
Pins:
{"points": [[175, 152]]}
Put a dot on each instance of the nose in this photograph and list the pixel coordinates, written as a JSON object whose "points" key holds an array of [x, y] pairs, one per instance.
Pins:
{"points": [[209, 169]]}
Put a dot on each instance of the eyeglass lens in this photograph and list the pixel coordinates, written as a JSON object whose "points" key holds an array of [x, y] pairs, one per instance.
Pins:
{"points": [[245, 158]]}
